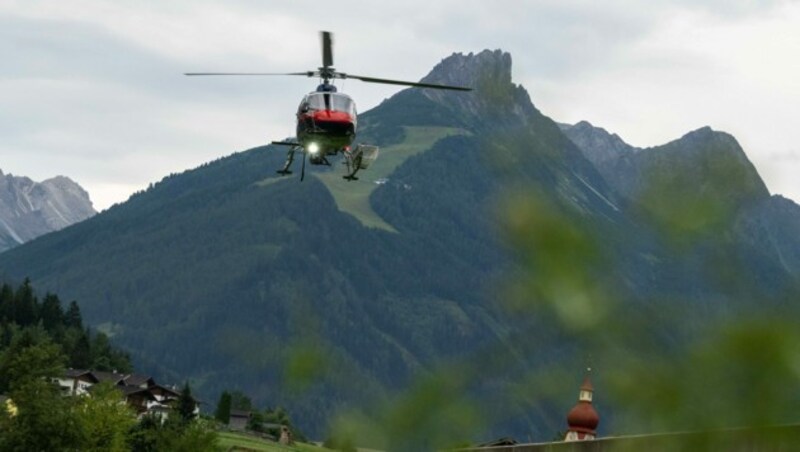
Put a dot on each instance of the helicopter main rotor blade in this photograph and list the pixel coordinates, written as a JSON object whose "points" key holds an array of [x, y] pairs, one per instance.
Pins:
{"points": [[307, 74], [400, 82], [327, 48]]}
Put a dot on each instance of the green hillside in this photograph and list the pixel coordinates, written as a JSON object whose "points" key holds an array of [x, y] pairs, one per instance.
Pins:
{"points": [[354, 198], [230, 441]]}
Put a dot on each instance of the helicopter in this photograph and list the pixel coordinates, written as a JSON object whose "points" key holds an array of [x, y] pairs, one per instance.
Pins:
{"points": [[327, 119]]}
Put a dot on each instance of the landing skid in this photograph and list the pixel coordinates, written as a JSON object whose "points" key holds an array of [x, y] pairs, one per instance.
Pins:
{"points": [[289, 159], [293, 147], [356, 159], [359, 158]]}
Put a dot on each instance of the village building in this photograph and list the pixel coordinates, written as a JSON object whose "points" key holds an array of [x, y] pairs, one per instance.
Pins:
{"points": [[286, 436], [77, 382], [239, 419], [140, 399], [163, 394], [582, 419], [141, 392]]}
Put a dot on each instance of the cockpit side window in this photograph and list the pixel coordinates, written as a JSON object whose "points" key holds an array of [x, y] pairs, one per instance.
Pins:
{"points": [[303, 107]]}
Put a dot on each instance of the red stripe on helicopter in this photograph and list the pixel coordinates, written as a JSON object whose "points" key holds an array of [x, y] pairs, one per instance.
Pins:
{"points": [[331, 116]]}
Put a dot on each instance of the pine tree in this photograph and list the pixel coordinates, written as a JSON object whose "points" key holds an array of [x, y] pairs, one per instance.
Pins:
{"points": [[25, 306], [101, 352], [223, 413], [72, 319], [186, 404], [51, 313], [80, 356], [6, 302]]}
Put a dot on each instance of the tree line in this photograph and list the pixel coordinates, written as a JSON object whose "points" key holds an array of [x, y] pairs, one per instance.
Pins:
{"points": [[21, 310], [38, 339]]}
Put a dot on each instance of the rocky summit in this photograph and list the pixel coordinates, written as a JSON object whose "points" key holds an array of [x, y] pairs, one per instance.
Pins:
{"points": [[29, 209]]}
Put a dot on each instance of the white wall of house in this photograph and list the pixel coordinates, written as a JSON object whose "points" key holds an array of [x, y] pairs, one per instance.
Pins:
{"points": [[74, 386]]}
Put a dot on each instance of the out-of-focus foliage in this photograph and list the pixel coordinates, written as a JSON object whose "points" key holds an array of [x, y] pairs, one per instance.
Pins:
{"points": [[152, 434], [45, 420], [734, 367], [740, 369], [106, 419]]}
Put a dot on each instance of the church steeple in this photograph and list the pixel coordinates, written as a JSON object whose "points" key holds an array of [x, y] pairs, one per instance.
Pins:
{"points": [[587, 390], [582, 418]]}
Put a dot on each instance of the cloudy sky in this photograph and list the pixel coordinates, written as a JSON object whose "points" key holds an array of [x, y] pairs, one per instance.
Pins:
{"points": [[93, 89]]}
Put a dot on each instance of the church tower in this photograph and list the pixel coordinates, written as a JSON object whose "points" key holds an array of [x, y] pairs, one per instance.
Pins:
{"points": [[582, 418]]}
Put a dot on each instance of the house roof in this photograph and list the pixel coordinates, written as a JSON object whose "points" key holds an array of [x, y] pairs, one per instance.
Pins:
{"points": [[241, 413], [72, 373], [82, 374], [139, 379], [163, 388], [113, 377], [128, 391]]}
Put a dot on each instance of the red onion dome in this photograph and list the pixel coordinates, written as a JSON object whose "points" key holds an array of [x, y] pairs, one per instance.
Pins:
{"points": [[583, 418]]}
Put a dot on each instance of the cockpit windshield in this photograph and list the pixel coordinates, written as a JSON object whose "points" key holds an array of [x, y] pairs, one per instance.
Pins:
{"points": [[329, 101]]}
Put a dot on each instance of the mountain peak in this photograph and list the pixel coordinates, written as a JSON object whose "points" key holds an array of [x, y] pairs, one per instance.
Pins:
{"points": [[468, 70], [29, 209], [488, 73], [707, 135], [597, 144], [706, 139]]}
